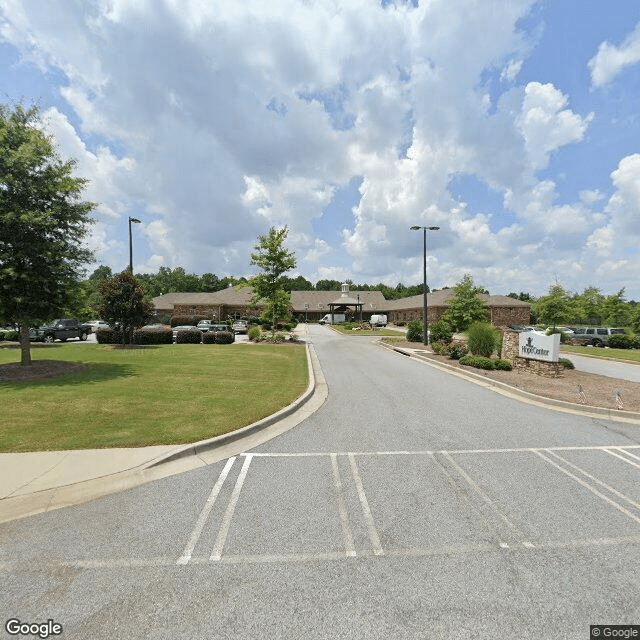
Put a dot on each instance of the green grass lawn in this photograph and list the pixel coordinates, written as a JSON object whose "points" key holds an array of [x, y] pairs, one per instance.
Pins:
{"points": [[632, 355], [164, 394], [369, 332]]}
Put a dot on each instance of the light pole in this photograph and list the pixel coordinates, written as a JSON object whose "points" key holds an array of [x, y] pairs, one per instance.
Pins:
{"points": [[131, 244], [425, 324]]}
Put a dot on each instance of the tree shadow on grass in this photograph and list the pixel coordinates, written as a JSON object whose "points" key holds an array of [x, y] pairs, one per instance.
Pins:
{"points": [[55, 373]]}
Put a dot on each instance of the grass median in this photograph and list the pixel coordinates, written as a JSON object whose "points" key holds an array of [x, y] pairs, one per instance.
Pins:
{"points": [[164, 394], [632, 355]]}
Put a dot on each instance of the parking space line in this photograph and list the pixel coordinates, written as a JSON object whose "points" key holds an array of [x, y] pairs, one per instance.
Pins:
{"points": [[596, 480], [204, 514], [216, 554], [349, 547], [586, 485], [366, 511], [625, 459], [485, 498]]}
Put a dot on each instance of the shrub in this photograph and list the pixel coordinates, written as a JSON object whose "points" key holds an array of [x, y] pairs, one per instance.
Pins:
{"points": [[224, 337], [479, 362], [441, 331], [564, 338], [109, 336], [189, 336], [157, 335], [401, 323], [567, 364], [636, 342], [502, 365], [482, 339], [12, 336], [458, 351], [440, 349], [414, 331], [254, 334], [621, 341], [209, 337], [1, 336]]}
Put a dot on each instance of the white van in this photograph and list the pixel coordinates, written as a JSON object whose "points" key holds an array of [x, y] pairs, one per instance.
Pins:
{"points": [[337, 317], [379, 320]]}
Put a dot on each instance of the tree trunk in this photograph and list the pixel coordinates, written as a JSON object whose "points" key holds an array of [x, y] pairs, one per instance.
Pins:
{"points": [[25, 346]]}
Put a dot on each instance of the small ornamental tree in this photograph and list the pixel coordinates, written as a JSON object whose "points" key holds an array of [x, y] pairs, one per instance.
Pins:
{"points": [[555, 308], [268, 286], [43, 223], [123, 302], [465, 307]]}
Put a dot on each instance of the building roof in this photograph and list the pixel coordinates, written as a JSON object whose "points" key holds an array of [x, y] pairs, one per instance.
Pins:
{"points": [[228, 296], [441, 297], [372, 301], [320, 300]]}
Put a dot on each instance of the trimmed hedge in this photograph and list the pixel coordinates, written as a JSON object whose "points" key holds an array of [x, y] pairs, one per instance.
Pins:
{"points": [[621, 341], [160, 335], [224, 337], [502, 365], [189, 336], [479, 362], [108, 336]]}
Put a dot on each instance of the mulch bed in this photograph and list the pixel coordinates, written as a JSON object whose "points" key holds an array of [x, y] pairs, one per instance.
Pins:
{"points": [[38, 370]]}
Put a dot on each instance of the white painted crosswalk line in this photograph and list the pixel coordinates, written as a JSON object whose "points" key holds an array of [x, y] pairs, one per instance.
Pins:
{"points": [[204, 514], [349, 547], [366, 511], [216, 554]]}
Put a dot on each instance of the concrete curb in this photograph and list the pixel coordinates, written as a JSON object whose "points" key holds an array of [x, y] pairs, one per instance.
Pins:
{"points": [[196, 448], [630, 417], [180, 459]]}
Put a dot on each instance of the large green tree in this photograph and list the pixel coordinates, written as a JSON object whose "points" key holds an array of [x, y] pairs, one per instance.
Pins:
{"points": [[274, 261], [124, 303], [465, 307], [43, 222], [554, 308]]}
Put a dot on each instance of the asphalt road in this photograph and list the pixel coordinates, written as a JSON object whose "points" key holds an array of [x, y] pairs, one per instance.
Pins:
{"points": [[412, 504], [604, 367]]}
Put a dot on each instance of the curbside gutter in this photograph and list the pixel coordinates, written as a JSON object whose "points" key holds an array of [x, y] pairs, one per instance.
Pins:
{"points": [[630, 417]]}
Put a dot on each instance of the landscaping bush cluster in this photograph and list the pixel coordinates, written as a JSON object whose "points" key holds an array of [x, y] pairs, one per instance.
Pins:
{"points": [[483, 339], [189, 336], [455, 350], [218, 337], [623, 341], [254, 334], [567, 364], [157, 335], [482, 362], [11, 336], [109, 336], [414, 331], [441, 331]]}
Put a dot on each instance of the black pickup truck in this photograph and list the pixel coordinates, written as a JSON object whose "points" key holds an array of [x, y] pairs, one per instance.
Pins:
{"points": [[60, 330]]}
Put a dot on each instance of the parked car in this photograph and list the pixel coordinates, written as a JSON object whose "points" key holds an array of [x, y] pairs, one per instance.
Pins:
{"points": [[239, 326], [61, 329], [205, 325], [596, 336], [98, 324]]}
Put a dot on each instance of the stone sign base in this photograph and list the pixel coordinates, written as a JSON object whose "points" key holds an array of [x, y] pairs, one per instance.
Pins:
{"points": [[510, 340]]}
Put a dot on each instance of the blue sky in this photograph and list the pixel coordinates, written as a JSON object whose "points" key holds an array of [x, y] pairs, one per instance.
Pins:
{"points": [[512, 125]]}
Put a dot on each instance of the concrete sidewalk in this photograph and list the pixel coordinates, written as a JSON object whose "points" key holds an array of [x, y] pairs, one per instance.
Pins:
{"points": [[32, 483]]}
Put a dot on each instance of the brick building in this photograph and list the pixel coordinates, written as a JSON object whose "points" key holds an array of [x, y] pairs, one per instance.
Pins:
{"points": [[312, 305]]}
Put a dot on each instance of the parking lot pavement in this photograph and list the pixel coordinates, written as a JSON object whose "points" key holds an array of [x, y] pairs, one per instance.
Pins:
{"points": [[328, 507]]}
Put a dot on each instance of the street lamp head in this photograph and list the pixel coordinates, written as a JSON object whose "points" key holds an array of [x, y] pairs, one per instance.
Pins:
{"points": [[433, 228], [415, 228], [134, 220]]}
